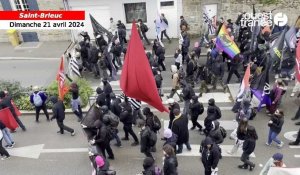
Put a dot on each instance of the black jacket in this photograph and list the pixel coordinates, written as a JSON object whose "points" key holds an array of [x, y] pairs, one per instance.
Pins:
{"points": [[276, 126], [196, 108], [100, 100], [180, 128], [150, 119], [101, 136], [170, 166], [218, 68], [58, 109], [115, 107], [210, 157], [187, 91], [94, 54], [145, 134], [215, 111], [143, 28], [160, 52], [241, 135], [185, 44], [249, 146], [126, 118], [190, 67], [215, 134]]}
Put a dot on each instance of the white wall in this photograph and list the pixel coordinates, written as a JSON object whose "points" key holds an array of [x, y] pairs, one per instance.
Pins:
{"points": [[117, 12]]}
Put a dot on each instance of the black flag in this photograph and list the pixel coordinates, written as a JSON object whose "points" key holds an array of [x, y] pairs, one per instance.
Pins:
{"points": [[255, 32], [277, 48], [99, 29]]}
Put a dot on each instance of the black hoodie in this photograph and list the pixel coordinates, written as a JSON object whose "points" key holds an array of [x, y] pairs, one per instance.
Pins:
{"points": [[210, 156], [58, 109]]}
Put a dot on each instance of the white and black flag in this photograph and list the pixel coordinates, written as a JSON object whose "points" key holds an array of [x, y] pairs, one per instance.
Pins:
{"points": [[75, 66]]}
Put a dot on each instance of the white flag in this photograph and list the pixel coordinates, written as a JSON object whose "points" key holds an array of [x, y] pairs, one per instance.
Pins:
{"points": [[283, 171]]}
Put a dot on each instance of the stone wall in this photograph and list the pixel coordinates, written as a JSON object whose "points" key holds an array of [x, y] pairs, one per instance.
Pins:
{"points": [[44, 35], [229, 9]]}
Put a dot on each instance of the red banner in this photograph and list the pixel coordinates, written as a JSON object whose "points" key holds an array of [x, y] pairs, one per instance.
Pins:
{"points": [[7, 118], [42, 15], [18, 112]]}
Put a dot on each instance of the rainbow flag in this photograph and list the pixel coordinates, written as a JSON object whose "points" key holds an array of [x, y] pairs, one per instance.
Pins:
{"points": [[224, 42]]}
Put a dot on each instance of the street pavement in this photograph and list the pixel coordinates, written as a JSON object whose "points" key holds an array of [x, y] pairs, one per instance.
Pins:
{"points": [[48, 153]]}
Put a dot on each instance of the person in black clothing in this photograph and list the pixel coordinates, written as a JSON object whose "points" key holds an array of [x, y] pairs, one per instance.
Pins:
{"points": [[86, 36], [39, 95], [248, 148], [5, 102], [75, 101], [218, 72], [126, 118], [210, 156], [187, 94], [160, 54], [100, 41], [58, 110], [172, 105], [100, 100], [215, 134], [164, 32], [170, 161], [215, 109], [144, 30], [183, 23], [149, 166], [121, 32], [180, 128], [196, 109], [115, 107], [153, 122], [185, 46], [145, 137], [117, 51], [190, 69], [84, 47], [94, 57], [107, 91], [234, 66]]}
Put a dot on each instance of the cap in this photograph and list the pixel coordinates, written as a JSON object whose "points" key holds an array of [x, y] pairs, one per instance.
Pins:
{"points": [[35, 88], [278, 156]]}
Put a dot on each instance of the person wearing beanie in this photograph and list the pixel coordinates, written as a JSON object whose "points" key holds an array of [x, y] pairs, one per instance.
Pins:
{"points": [[274, 161], [101, 166], [107, 91], [149, 166], [100, 100], [210, 156], [5, 102], [170, 138]]}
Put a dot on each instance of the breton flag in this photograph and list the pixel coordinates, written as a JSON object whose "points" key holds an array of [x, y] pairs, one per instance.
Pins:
{"points": [[298, 62], [75, 66], [137, 80], [160, 25], [136, 105], [245, 83], [62, 88], [207, 20]]}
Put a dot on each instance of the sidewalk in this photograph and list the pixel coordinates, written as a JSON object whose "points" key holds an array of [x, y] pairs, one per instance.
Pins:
{"points": [[33, 50]]}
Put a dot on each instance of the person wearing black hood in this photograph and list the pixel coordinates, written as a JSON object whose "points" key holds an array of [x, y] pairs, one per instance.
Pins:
{"points": [[190, 69], [196, 109], [248, 148], [234, 66], [153, 122], [107, 91], [94, 57], [145, 135], [218, 70], [215, 110], [160, 54], [210, 156], [121, 32], [100, 100], [100, 41], [58, 110], [215, 134], [126, 118], [149, 166], [5, 102]]}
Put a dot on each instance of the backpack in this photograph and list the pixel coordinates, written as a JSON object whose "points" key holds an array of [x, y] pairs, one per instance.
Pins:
{"points": [[156, 123], [114, 120], [253, 114], [37, 99], [145, 28], [201, 110], [191, 92], [157, 170], [152, 138], [110, 133], [223, 132]]}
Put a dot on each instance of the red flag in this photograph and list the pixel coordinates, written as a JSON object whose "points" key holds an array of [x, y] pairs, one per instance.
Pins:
{"points": [[62, 88], [137, 80], [8, 119], [298, 62], [245, 83]]}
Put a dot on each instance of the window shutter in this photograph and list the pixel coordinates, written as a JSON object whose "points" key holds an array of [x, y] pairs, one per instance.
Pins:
{"points": [[33, 5], [6, 5]]}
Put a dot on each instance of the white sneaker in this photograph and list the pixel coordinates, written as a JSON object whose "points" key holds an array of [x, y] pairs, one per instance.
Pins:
{"points": [[5, 157], [229, 152], [292, 94], [280, 145], [268, 144], [276, 76], [73, 133]]}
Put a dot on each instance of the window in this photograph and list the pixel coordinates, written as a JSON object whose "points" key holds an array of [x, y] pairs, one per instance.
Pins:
{"points": [[21, 5], [135, 11], [167, 3]]}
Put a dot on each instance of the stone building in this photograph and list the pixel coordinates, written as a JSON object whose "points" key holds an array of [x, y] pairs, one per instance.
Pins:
{"points": [[35, 35], [229, 9]]}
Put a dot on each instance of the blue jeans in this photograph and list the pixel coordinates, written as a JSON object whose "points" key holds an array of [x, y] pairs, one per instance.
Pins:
{"points": [[7, 136], [273, 137]]}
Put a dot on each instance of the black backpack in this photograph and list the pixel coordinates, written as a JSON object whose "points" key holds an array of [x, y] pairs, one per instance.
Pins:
{"points": [[223, 132], [156, 123], [145, 28], [152, 138], [158, 80]]}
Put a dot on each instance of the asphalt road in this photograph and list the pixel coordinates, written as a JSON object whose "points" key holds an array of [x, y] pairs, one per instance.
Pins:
{"points": [[54, 158]]}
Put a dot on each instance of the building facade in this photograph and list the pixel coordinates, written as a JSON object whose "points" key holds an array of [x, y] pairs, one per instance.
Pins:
{"points": [[35, 35]]}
